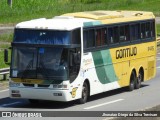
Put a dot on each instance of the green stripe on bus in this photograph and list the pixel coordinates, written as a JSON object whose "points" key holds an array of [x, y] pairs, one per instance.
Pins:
{"points": [[104, 67], [86, 24], [109, 69], [99, 66]]}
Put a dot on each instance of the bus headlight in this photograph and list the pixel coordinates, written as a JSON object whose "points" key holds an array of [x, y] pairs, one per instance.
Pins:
{"points": [[13, 84]]}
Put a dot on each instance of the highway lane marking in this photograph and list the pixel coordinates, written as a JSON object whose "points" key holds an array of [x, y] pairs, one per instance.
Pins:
{"points": [[4, 90], [9, 104], [99, 105]]}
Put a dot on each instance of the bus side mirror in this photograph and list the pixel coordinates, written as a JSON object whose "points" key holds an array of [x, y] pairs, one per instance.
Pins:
{"points": [[6, 57]]}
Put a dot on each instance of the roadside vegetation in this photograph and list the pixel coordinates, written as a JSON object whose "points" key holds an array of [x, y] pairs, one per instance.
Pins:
{"points": [[28, 9], [158, 29]]}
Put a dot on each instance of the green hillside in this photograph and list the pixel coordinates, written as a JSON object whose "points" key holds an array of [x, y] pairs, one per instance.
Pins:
{"points": [[28, 9]]}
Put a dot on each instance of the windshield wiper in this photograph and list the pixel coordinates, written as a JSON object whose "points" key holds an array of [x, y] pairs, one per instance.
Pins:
{"points": [[27, 68]]}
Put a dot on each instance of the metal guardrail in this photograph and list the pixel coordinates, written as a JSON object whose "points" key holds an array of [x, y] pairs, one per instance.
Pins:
{"points": [[4, 72]]}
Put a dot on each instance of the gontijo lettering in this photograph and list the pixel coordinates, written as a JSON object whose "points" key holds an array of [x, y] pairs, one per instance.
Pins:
{"points": [[127, 52]]}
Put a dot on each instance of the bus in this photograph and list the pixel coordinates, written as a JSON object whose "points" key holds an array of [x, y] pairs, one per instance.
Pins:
{"points": [[77, 55]]}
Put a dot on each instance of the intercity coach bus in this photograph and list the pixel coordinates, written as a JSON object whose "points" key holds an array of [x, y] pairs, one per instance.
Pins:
{"points": [[76, 55]]}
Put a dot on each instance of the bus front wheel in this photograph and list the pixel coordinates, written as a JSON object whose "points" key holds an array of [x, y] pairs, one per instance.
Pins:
{"points": [[85, 93]]}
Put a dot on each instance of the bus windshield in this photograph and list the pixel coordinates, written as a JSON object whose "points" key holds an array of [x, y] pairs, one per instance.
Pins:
{"points": [[40, 63]]}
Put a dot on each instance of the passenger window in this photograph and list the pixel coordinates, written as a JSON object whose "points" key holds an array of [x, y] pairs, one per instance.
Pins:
{"points": [[98, 37], [85, 36], [104, 36], [152, 29], [113, 36], [148, 30], [122, 34], [89, 38], [134, 32], [127, 33], [143, 33]]}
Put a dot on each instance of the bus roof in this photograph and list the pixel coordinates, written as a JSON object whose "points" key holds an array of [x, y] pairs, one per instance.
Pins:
{"points": [[71, 21], [108, 17]]}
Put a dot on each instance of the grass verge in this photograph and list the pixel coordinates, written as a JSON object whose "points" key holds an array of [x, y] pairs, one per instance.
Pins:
{"points": [[158, 29], [29, 9]]}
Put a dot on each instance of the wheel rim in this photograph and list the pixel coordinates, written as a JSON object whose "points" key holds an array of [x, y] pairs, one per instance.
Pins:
{"points": [[139, 79], [132, 80], [84, 92]]}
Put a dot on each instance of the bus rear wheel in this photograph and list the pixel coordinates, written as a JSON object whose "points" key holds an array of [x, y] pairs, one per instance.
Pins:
{"points": [[132, 81], [85, 93], [139, 80]]}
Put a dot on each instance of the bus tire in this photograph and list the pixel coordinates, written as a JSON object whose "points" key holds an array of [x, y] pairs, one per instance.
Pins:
{"points": [[132, 81], [33, 101], [85, 93], [139, 80]]}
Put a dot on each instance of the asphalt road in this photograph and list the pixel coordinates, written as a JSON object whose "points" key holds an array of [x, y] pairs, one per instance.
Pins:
{"points": [[117, 100]]}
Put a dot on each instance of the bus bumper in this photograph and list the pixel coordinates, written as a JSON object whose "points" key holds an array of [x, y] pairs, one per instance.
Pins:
{"points": [[40, 94]]}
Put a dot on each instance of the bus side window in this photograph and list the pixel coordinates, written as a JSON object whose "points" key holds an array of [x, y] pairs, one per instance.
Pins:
{"points": [[110, 35], [104, 36], [127, 33], [143, 34], [113, 36], [122, 34], [148, 30], [88, 38], [98, 37], [153, 29], [91, 38], [134, 32], [116, 34], [85, 37]]}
